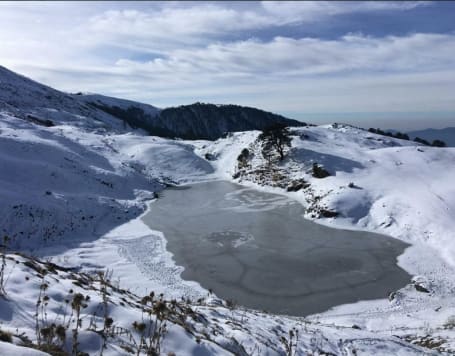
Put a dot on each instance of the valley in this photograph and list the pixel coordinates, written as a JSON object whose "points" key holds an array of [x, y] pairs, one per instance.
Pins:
{"points": [[77, 194]]}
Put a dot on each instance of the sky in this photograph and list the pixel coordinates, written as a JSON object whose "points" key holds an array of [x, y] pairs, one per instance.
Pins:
{"points": [[372, 64]]}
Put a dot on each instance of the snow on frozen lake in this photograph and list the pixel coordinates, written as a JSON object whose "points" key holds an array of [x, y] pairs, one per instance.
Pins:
{"points": [[257, 249]]}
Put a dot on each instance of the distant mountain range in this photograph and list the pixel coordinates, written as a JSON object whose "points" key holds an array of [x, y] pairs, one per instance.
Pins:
{"points": [[432, 137], [44, 105], [447, 135]]}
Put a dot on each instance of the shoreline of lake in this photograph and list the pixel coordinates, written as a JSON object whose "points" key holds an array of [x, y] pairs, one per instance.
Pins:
{"points": [[237, 255]]}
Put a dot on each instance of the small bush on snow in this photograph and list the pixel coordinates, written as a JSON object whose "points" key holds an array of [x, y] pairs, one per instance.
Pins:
{"points": [[319, 171], [450, 323], [5, 336]]}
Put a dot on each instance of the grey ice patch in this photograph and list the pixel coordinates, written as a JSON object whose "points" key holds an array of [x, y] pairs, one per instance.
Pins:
{"points": [[229, 238], [249, 200]]}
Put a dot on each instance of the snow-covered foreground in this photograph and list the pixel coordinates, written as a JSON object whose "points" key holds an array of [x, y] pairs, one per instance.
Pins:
{"points": [[75, 195]]}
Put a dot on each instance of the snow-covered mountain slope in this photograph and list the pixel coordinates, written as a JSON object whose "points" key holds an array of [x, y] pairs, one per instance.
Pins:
{"points": [[112, 102], [134, 165], [64, 181], [36, 102], [41, 104], [132, 113], [74, 193]]}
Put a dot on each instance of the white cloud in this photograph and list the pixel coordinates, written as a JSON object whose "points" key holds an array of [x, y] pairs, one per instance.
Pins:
{"points": [[201, 23], [309, 11], [178, 53], [189, 25], [354, 73], [307, 56]]}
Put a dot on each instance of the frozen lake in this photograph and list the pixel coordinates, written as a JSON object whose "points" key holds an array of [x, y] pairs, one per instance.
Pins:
{"points": [[256, 248]]}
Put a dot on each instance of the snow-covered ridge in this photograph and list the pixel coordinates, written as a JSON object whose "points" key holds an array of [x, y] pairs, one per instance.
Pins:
{"points": [[75, 191], [42, 104], [26, 98], [128, 111], [121, 103]]}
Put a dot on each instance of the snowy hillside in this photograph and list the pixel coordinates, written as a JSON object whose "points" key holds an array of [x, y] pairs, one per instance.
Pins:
{"points": [[73, 194], [74, 178], [35, 102], [134, 114], [43, 105], [116, 102]]}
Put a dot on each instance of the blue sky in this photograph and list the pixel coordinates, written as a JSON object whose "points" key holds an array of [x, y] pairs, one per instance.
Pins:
{"points": [[384, 64]]}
